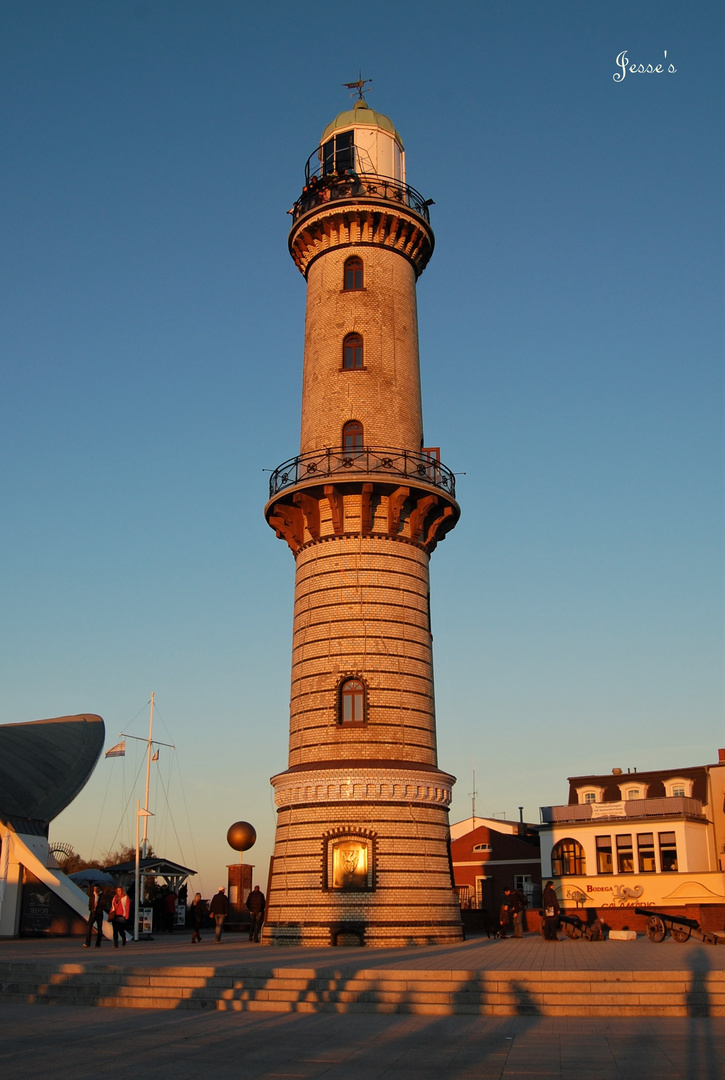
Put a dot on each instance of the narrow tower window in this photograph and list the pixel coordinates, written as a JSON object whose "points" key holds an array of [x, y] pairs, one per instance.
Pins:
{"points": [[352, 352], [352, 702], [353, 277], [352, 437]]}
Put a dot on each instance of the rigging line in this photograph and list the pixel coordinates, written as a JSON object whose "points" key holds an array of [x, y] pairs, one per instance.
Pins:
{"points": [[125, 809], [157, 712], [188, 819], [170, 818], [100, 817]]}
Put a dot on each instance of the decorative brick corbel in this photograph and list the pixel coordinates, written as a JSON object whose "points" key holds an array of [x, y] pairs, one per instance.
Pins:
{"points": [[288, 524], [337, 508], [395, 507], [311, 510], [419, 514], [439, 527], [366, 509]]}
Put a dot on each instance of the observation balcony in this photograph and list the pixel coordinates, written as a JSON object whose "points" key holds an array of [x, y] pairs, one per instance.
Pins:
{"points": [[630, 808], [379, 462], [335, 180]]}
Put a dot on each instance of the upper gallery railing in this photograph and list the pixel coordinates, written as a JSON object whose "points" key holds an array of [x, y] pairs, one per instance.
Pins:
{"points": [[370, 460], [322, 187]]}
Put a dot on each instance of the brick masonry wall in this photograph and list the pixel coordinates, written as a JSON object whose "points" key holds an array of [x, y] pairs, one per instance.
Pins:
{"points": [[361, 609], [385, 395]]}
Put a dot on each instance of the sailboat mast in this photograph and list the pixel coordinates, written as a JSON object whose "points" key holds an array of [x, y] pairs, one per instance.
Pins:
{"points": [[148, 776]]}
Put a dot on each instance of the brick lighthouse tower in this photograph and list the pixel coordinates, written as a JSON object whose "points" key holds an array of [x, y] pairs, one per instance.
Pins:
{"points": [[361, 851]]}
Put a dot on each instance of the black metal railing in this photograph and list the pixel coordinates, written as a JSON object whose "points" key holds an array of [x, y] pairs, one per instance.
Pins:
{"points": [[350, 185], [382, 461]]}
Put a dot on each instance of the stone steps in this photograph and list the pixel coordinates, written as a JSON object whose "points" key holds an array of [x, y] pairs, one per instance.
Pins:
{"points": [[495, 993]]}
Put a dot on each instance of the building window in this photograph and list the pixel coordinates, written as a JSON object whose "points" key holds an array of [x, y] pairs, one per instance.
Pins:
{"points": [[338, 153], [352, 437], [482, 847], [567, 857], [625, 856], [352, 702], [604, 855], [678, 787], [668, 851], [646, 852], [634, 793], [353, 276], [352, 353]]}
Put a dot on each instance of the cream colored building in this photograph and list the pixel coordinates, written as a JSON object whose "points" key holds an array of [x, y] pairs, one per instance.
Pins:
{"points": [[361, 850], [640, 839]]}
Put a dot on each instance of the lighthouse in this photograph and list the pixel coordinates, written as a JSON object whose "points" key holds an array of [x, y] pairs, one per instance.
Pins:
{"points": [[361, 852]]}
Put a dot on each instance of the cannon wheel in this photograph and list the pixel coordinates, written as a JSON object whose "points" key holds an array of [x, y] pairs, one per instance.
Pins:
{"points": [[680, 933], [656, 929]]}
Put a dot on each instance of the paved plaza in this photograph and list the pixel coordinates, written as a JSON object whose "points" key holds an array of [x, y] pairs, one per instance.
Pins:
{"points": [[72, 1043], [58, 1042], [530, 953]]}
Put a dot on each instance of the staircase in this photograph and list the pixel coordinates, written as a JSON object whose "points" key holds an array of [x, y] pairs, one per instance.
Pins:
{"points": [[444, 993]]}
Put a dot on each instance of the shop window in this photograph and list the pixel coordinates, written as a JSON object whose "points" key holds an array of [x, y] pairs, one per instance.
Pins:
{"points": [[604, 855], [668, 851], [625, 855], [646, 852], [352, 353], [353, 275], [352, 437], [567, 857], [352, 702]]}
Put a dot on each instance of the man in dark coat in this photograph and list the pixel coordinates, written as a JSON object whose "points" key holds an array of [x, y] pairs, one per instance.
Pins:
{"points": [[95, 916], [255, 907], [551, 912], [219, 907]]}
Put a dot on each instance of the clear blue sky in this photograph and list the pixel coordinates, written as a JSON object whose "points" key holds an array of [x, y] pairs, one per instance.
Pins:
{"points": [[571, 349]]}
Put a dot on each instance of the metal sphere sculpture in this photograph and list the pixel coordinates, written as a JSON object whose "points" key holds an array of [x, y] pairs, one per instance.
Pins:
{"points": [[241, 836]]}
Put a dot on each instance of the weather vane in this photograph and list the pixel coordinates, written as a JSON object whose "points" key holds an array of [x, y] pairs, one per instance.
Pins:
{"points": [[358, 86]]}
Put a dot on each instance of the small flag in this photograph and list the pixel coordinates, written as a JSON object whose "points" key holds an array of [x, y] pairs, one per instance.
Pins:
{"points": [[156, 756], [119, 750]]}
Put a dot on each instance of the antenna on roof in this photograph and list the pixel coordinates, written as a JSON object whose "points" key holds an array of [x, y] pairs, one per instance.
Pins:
{"points": [[358, 86]]}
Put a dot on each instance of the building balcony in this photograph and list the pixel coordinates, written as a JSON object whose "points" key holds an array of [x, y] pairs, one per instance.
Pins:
{"points": [[320, 191], [631, 808], [372, 462]]}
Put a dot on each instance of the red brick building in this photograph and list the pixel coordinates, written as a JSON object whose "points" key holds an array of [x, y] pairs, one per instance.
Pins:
{"points": [[490, 855]]}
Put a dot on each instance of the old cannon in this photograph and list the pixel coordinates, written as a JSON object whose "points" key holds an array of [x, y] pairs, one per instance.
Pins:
{"points": [[660, 923]]}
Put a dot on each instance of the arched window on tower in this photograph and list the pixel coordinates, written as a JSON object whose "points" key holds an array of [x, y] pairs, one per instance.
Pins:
{"points": [[353, 276], [352, 702], [352, 437], [567, 857], [352, 352]]}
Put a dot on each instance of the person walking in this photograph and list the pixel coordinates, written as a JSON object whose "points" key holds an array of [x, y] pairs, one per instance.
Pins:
{"points": [[95, 916], [518, 906], [551, 912], [504, 914], [220, 909], [255, 907], [199, 912], [118, 917]]}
